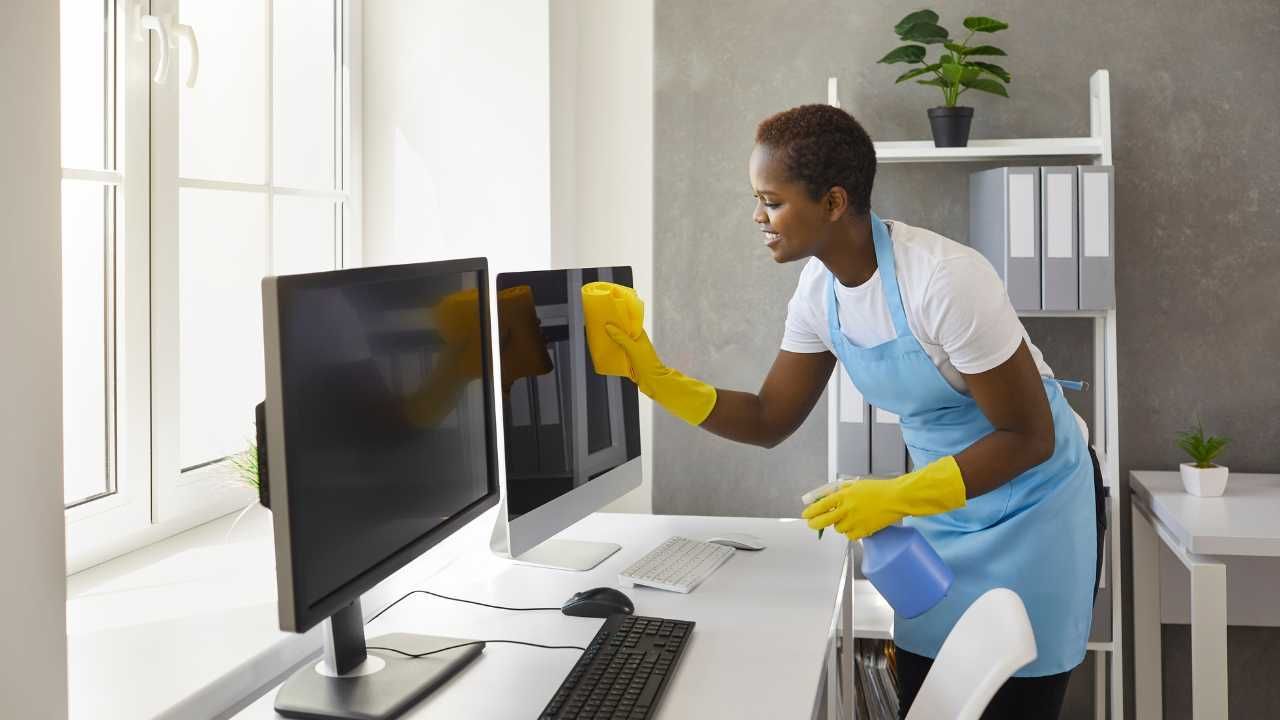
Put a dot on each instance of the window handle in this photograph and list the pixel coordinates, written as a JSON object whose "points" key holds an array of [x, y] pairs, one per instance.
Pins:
{"points": [[179, 31], [145, 23]]}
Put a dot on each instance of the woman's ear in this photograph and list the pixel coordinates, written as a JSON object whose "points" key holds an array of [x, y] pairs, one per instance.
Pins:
{"points": [[837, 203]]}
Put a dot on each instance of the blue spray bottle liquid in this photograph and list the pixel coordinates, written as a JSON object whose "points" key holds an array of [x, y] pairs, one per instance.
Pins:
{"points": [[906, 570], [901, 564]]}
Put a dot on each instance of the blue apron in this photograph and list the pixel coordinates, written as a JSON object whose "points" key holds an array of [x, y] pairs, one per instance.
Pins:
{"points": [[1035, 535]]}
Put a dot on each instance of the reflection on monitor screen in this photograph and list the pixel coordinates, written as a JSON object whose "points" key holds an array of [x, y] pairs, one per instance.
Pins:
{"points": [[564, 423], [386, 418]]}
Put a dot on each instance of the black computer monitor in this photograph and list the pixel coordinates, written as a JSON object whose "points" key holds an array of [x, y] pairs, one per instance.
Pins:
{"points": [[572, 435], [381, 442], [564, 424]]}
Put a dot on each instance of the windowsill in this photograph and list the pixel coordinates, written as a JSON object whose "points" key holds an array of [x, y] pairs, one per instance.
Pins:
{"points": [[188, 627]]}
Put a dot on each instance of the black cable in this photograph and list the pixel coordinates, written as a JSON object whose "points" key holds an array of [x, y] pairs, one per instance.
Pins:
{"points": [[476, 642], [472, 642], [446, 597]]}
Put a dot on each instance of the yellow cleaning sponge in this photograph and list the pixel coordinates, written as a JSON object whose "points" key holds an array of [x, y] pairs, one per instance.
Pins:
{"points": [[605, 303]]}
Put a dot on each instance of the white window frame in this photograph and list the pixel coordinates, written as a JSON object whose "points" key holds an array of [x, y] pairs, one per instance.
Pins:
{"points": [[119, 514], [149, 503]]}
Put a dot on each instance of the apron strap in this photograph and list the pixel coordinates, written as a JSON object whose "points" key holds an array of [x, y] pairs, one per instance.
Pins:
{"points": [[833, 311], [888, 280], [889, 275]]}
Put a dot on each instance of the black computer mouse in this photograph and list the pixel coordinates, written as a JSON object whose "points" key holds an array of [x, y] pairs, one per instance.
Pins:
{"points": [[598, 602]]}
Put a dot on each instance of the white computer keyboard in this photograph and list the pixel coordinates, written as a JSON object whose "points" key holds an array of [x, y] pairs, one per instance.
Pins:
{"points": [[678, 564]]}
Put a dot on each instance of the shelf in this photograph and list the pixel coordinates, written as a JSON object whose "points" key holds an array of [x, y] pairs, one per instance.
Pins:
{"points": [[923, 151], [873, 618], [1095, 314]]}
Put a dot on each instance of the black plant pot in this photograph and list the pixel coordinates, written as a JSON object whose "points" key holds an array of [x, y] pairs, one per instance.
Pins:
{"points": [[950, 125]]}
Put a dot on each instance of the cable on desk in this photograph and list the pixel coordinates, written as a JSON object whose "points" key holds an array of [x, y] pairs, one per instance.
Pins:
{"points": [[472, 642], [476, 642], [454, 599]]}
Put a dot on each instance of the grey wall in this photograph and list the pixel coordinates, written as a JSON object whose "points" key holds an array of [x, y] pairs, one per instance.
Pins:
{"points": [[33, 668], [1194, 94]]}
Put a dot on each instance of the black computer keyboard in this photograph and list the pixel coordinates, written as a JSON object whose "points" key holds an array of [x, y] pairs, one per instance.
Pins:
{"points": [[624, 671]]}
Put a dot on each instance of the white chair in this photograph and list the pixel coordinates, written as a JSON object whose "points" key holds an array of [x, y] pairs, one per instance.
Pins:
{"points": [[990, 642]]}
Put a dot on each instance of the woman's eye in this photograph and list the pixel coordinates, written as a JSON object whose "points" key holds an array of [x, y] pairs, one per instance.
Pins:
{"points": [[766, 203]]}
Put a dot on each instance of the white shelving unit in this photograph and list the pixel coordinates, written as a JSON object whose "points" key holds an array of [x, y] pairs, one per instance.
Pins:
{"points": [[871, 616], [923, 151]]}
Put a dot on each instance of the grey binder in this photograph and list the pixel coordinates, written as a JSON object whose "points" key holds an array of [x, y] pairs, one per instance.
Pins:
{"points": [[853, 429], [1097, 237], [1004, 225], [888, 451], [1059, 239]]}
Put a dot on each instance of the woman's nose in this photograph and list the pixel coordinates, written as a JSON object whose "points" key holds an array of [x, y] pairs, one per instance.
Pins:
{"points": [[759, 215]]}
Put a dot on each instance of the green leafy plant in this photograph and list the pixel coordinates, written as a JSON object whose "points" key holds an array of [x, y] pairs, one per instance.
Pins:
{"points": [[955, 72], [1201, 449], [246, 465]]}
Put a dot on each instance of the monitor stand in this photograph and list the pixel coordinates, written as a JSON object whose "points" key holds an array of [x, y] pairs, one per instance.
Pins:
{"points": [[568, 554], [352, 683]]}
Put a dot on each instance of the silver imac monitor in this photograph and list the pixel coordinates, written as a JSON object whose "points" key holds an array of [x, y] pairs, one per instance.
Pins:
{"points": [[571, 436], [380, 441]]}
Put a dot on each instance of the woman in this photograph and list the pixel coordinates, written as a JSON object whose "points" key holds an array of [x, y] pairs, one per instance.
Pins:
{"points": [[1004, 488]]}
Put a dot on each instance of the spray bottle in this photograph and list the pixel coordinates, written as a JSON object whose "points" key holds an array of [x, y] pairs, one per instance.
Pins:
{"points": [[899, 562]]}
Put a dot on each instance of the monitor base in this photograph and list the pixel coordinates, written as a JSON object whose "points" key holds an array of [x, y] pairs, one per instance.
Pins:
{"points": [[576, 555], [366, 693]]}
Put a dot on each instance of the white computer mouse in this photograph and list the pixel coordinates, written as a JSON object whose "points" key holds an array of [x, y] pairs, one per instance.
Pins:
{"points": [[742, 541]]}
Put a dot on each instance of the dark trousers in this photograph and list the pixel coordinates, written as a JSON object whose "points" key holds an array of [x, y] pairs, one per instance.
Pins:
{"points": [[1020, 698], [1028, 698]]}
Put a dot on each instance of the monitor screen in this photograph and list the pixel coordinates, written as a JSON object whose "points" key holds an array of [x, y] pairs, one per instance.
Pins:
{"points": [[388, 426], [564, 424]]}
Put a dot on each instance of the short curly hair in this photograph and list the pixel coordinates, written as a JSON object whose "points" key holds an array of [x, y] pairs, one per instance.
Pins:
{"points": [[823, 146]]}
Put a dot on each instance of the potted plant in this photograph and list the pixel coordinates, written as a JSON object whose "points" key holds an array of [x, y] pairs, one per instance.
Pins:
{"points": [[955, 72], [1202, 477]]}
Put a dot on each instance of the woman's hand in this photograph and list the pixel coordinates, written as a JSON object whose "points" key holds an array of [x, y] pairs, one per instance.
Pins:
{"points": [[864, 507], [687, 398]]}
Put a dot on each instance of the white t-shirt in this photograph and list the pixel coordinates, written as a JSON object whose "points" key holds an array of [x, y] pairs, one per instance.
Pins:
{"points": [[956, 306]]}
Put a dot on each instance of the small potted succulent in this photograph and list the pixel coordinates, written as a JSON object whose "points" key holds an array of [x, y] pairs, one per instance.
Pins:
{"points": [[1202, 477], [955, 71]]}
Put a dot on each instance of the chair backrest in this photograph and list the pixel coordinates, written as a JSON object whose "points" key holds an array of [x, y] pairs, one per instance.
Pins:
{"points": [[990, 642]]}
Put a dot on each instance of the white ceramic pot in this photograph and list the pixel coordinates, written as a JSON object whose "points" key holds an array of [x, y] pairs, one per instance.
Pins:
{"points": [[1204, 482]]}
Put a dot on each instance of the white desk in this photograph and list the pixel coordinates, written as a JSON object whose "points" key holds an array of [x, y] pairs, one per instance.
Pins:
{"points": [[1200, 531], [759, 650]]}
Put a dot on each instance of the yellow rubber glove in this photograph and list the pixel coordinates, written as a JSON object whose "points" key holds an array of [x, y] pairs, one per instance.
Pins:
{"points": [[614, 316], [689, 399], [863, 507]]}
